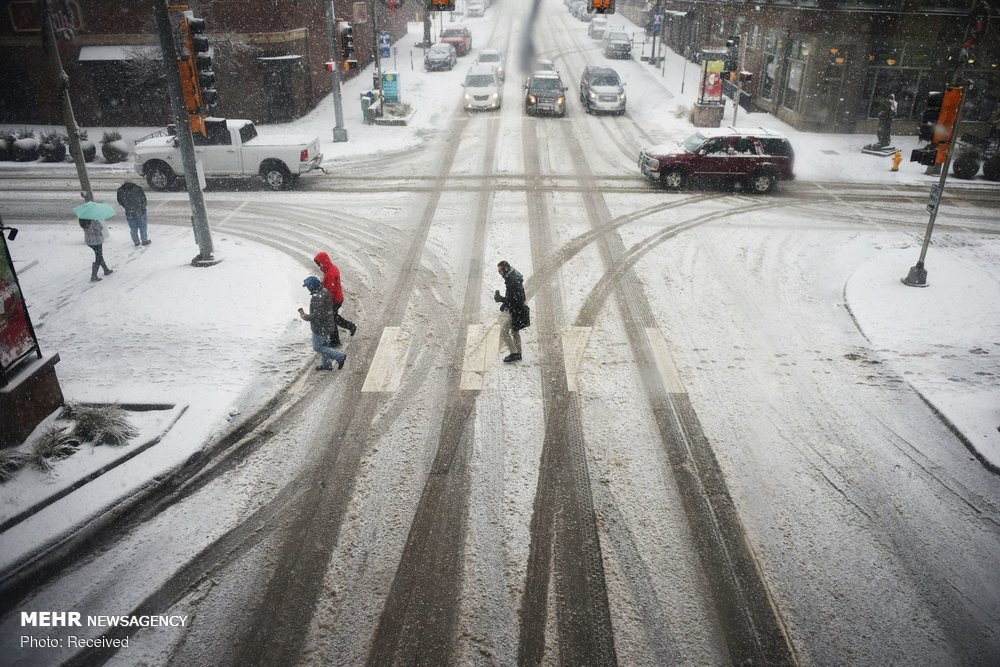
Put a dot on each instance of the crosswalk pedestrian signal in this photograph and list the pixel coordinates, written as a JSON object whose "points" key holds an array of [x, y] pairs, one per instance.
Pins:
{"points": [[929, 119]]}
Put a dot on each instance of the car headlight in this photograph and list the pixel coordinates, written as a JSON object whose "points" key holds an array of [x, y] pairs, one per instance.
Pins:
{"points": [[468, 97], [531, 99], [621, 97], [561, 100], [495, 96], [593, 95]]}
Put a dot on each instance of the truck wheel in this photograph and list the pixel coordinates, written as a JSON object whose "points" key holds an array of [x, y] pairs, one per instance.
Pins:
{"points": [[965, 166], [673, 179], [160, 177], [991, 168], [276, 175]]}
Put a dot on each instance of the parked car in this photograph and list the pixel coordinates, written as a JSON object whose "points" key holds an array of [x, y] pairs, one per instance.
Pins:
{"points": [[231, 149], [440, 57], [458, 36], [758, 158], [601, 89], [475, 8], [545, 92], [482, 88], [617, 44], [492, 57], [598, 25], [579, 10]]}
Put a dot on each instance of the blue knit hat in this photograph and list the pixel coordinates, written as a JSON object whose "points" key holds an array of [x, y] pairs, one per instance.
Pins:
{"points": [[312, 284]]}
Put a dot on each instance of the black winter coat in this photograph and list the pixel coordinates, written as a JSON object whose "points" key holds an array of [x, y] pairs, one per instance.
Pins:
{"points": [[132, 198], [513, 300], [322, 316]]}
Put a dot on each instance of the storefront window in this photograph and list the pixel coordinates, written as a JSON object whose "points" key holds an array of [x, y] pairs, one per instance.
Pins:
{"points": [[793, 85]]}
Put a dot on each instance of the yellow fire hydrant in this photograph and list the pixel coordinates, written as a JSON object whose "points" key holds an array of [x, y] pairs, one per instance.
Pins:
{"points": [[897, 157]]}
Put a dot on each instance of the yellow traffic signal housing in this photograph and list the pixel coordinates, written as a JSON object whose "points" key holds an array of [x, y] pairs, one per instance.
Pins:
{"points": [[441, 5], [602, 6], [948, 116]]}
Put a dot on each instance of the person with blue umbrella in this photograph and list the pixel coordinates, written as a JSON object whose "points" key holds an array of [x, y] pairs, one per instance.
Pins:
{"points": [[91, 214]]}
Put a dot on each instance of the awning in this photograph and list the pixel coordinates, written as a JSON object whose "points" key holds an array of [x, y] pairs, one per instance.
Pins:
{"points": [[119, 52]]}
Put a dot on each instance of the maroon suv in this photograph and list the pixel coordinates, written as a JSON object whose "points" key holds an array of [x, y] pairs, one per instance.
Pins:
{"points": [[758, 158], [459, 37]]}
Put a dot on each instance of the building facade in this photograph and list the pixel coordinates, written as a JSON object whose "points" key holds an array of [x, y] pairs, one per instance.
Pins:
{"points": [[269, 57], [828, 65]]}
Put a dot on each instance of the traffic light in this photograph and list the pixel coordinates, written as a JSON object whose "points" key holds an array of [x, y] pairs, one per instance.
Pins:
{"points": [[925, 156], [440, 5], [346, 41], [601, 7], [928, 121], [948, 116], [201, 52]]}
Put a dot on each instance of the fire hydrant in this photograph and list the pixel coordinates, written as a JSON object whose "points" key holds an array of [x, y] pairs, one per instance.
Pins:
{"points": [[897, 157]]}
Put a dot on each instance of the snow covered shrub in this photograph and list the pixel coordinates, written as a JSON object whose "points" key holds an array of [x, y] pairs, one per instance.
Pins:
{"points": [[25, 146], [87, 146], [113, 147], [6, 146], [53, 147], [54, 444], [100, 424], [11, 461]]}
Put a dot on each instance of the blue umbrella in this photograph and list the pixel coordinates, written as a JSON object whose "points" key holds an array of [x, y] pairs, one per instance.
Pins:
{"points": [[92, 210]]}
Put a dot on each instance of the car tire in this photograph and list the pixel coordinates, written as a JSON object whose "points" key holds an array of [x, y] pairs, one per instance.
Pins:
{"points": [[160, 177], [276, 175], [673, 179], [991, 168], [965, 166], [761, 182]]}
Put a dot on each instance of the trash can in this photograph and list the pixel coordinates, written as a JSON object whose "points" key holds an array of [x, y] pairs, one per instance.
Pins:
{"points": [[366, 103]]}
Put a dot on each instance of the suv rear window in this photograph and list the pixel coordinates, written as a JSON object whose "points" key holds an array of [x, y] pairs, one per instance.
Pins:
{"points": [[773, 146]]}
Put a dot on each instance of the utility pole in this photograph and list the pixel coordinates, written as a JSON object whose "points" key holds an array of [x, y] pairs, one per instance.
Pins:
{"points": [[655, 28], [339, 131], [199, 215], [739, 76], [69, 119], [376, 53], [917, 277]]}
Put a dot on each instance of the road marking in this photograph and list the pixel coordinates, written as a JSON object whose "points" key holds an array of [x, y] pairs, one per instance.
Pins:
{"points": [[386, 370], [574, 342], [234, 212], [482, 345], [664, 361]]}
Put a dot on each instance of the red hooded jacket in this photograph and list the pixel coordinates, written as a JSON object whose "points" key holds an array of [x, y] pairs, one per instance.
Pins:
{"points": [[331, 276]]}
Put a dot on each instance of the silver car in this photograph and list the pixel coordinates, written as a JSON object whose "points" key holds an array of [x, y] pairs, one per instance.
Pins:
{"points": [[492, 57], [440, 57]]}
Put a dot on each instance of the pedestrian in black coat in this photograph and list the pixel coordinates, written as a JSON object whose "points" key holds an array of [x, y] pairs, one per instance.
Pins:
{"points": [[517, 315]]}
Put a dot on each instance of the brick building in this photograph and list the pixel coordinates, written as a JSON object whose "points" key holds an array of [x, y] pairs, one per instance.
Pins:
{"points": [[826, 65], [269, 58]]}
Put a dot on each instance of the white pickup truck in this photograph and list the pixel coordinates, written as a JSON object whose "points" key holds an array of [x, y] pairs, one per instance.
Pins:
{"points": [[232, 149]]}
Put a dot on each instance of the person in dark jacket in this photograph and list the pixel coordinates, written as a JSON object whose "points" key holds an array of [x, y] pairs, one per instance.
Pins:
{"points": [[133, 200], [321, 321], [93, 235], [331, 281], [517, 313]]}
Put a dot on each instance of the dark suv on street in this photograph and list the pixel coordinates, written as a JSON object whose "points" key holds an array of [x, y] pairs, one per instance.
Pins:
{"points": [[757, 158], [545, 92]]}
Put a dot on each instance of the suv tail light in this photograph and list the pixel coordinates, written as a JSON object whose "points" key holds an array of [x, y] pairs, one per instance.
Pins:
{"points": [[304, 155]]}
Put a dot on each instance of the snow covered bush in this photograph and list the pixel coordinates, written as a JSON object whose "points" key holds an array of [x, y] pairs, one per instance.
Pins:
{"points": [[54, 444], [25, 146], [11, 461], [113, 147], [87, 146], [53, 147], [100, 424]]}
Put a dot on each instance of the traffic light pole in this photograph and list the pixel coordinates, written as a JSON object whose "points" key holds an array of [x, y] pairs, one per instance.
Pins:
{"points": [[339, 131], [69, 119], [199, 214], [917, 277]]}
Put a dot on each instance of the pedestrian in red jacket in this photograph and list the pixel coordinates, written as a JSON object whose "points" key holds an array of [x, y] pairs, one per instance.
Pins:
{"points": [[331, 281]]}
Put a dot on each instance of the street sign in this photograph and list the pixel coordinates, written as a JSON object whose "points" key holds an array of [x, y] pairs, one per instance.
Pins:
{"points": [[384, 44], [935, 198], [390, 87]]}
